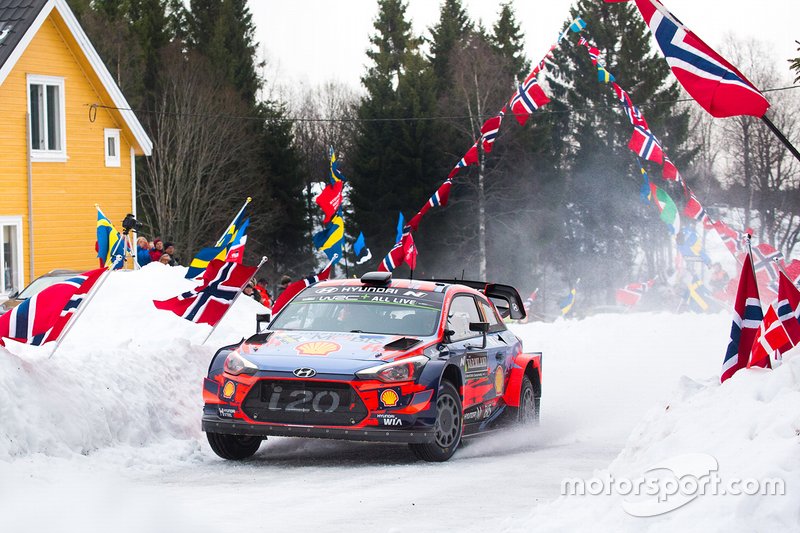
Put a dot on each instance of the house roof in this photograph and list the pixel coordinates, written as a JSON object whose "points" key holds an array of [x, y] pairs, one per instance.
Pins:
{"points": [[19, 22]]}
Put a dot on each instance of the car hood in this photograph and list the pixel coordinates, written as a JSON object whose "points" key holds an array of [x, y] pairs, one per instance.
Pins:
{"points": [[318, 346]]}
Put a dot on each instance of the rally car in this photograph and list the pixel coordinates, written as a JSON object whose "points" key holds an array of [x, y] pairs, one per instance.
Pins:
{"points": [[378, 359]]}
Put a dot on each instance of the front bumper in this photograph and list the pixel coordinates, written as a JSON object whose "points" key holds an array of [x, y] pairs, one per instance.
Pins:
{"points": [[213, 424]]}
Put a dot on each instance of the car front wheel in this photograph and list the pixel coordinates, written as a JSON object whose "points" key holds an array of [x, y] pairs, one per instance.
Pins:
{"points": [[447, 431], [233, 447]]}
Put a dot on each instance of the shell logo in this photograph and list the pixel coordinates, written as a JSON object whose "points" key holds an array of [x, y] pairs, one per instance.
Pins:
{"points": [[228, 390], [321, 348], [389, 398], [499, 381]]}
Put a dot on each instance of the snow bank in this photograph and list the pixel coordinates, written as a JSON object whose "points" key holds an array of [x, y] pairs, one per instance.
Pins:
{"points": [[750, 425], [126, 374]]}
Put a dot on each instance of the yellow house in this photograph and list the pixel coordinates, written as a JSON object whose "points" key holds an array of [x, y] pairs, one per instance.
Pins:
{"points": [[67, 142]]}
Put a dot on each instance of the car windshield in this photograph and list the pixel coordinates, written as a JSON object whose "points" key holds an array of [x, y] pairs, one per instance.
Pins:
{"points": [[362, 310], [40, 284]]}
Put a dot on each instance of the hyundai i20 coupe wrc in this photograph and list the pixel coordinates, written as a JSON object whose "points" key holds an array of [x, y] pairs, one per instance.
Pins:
{"points": [[377, 359]]}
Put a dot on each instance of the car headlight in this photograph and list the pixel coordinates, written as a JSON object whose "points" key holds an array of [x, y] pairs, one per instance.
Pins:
{"points": [[235, 364], [403, 370]]}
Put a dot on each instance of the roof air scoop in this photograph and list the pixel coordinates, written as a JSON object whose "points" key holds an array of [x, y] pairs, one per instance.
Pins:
{"points": [[376, 278]]}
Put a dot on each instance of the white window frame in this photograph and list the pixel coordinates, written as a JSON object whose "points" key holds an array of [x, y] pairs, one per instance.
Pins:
{"points": [[111, 133], [17, 222], [55, 156]]}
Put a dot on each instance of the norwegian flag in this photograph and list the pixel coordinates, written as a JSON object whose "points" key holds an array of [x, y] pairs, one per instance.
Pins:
{"points": [[764, 260], [528, 98], [644, 143], [787, 307], [294, 288], [732, 239], [793, 270], [631, 294], [330, 199], [712, 81], [633, 113], [441, 195], [770, 338], [747, 317], [410, 252], [694, 209], [43, 317], [489, 132], [470, 158], [670, 171], [397, 255], [208, 303]]}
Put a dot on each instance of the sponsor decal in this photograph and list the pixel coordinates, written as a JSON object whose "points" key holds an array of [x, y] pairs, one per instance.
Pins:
{"points": [[499, 381], [476, 364], [226, 412], [474, 415], [389, 398], [320, 348], [389, 420], [229, 390]]}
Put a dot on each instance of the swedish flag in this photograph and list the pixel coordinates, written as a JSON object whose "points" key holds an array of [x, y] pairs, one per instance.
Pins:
{"points": [[698, 297], [604, 75], [567, 303], [331, 238], [233, 234], [335, 174], [110, 244]]}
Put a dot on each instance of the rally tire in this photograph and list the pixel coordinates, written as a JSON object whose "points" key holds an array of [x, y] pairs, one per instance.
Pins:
{"points": [[448, 428], [527, 413], [233, 447]]}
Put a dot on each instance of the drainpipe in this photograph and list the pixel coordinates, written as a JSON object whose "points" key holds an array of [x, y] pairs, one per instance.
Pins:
{"points": [[30, 197]]}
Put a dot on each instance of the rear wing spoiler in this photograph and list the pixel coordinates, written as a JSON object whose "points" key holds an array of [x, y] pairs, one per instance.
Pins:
{"points": [[504, 297]]}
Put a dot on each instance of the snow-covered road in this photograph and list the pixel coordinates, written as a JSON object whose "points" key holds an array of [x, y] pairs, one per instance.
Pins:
{"points": [[601, 377]]}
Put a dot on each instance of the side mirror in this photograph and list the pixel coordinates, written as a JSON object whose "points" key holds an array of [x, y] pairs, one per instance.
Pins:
{"points": [[482, 327], [262, 318], [448, 334]]}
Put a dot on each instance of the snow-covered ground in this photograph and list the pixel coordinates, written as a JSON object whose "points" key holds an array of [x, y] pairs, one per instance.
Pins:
{"points": [[105, 436]]}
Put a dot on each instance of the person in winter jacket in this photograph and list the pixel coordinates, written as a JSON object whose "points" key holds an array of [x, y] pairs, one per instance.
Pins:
{"points": [[142, 251], [157, 251]]}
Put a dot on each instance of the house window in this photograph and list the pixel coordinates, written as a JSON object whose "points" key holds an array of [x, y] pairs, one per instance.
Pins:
{"points": [[10, 255], [48, 124], [111, 137]]}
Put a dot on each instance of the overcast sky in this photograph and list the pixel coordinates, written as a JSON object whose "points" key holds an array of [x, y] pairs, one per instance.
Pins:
{"points": [[314, 41]]}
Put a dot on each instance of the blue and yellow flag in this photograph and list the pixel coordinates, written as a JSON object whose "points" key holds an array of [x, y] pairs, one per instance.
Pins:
{"points": [[698, 297], [567, 303], [110, 244], [335, 173], [604, 75], [233, 234], [331, 238]]}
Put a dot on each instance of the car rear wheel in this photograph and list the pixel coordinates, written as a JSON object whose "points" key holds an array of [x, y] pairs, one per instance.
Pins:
{"points": [[529, 403], [447, 431], [233, 447]]}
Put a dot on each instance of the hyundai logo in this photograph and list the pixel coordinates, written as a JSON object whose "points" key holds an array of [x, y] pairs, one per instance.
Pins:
{"points": [[304, 372]]}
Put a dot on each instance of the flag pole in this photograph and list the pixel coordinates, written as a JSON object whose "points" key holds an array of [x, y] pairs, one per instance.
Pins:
{"points": [[79, 312], [779, 134], [246, 202], [241, 289]]}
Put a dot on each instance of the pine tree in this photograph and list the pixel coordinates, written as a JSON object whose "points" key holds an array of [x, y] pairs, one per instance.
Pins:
{"points": [[453, 26], [507, 41], [604, 222], [393, 164]]}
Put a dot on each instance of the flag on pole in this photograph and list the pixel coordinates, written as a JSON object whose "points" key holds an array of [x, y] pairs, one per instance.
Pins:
{"points": [[360, 248], [402, 250], [712, 81], [410, 252], [111, 246], [330, 199], [400, 225], [747, 317], [236, 249], [788, 309], [771, 336], [220, 250], [666, 207], [294, 288], [331, 238], [208, 302], [567, 303], [698, 297], [335, 174], [690, 245], [43, 317], [732, 239]]}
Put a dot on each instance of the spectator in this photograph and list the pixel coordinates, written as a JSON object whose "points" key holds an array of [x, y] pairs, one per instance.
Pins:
{"points": [[169, 249], [142, 251], [165, 259], [261, 287], [250, 290], [157, 251], [285, 281], [719, 278]]}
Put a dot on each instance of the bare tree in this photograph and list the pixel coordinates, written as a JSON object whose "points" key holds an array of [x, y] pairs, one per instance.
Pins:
{"points": [[197, 176], [759, 164]]}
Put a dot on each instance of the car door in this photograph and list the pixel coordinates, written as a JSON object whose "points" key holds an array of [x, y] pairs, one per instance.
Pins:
{"points": [[497, 347], [477, 363]]}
